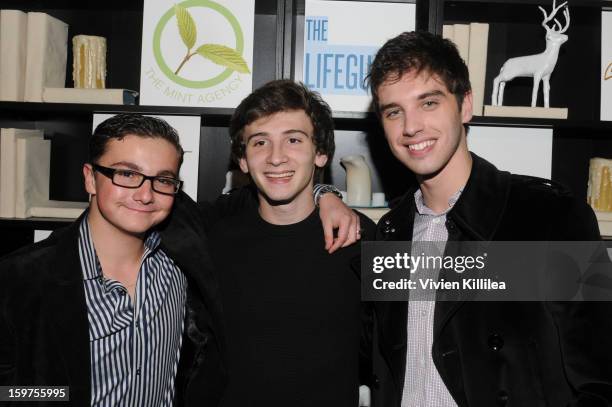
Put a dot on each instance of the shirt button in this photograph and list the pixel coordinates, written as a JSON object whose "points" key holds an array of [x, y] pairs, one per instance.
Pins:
{"points": [[138, 372], [436, 220]]}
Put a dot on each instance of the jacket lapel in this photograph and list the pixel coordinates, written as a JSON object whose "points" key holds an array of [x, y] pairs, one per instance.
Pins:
{"points": [[392, 316], [184, 239], [66, 312], [476, 216]]}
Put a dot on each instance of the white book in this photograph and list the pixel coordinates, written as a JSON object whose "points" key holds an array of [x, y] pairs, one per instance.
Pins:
{"points": [[32, 174], [13, 32], [92, 96], [461, 37], [47, 50], [59, 209], [8, 167], [477, 63], [448, 32]]}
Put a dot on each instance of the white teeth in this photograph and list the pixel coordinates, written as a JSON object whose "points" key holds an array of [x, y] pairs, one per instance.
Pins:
{"points": [[281, 175], [421, 146]]}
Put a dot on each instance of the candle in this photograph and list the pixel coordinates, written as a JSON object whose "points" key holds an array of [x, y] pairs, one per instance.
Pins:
{"points": [[89, 61], [599, 192]]}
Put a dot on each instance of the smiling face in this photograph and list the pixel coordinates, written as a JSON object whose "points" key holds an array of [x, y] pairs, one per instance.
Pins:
{"points": [[424, 125], [131, 211], [280, 156]]}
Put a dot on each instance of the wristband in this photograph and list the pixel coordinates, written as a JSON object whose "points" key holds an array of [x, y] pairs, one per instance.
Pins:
{"points": [[321, 189]]}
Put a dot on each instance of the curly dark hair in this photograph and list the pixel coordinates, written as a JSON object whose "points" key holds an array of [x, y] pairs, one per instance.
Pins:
{"points": [[281, 96], [121, 125], [419, 51]]}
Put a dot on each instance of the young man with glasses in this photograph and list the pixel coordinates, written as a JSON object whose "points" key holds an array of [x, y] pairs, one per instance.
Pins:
{"points": [[121, 305]]}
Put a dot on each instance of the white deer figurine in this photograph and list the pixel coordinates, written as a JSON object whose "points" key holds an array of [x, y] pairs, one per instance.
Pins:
{"points": [[538, 66]]}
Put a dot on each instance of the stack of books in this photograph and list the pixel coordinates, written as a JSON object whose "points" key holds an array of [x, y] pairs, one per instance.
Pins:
{"points": [[33, 59], [33, 52], [25, 161], [472, 41]]}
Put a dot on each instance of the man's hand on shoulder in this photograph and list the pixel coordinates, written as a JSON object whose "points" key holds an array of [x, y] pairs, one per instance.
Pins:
{"points": [[336, 215]]}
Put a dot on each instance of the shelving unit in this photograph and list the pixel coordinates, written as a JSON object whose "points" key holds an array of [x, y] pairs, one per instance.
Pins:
{"points": [[514, 30], [69, 125]]}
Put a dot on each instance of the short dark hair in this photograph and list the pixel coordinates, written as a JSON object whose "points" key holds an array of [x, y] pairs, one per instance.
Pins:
{"points": [[121, 125], [280, 96], [419, 51]]}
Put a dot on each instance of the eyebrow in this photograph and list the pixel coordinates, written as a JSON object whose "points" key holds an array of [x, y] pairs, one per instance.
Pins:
{"points": [[264, 133], [132, 166], [433, 93], [430, 94], [384, 107]]}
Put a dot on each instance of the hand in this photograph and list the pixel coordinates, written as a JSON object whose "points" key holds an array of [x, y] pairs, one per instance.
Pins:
{"points": [[336, 215]]}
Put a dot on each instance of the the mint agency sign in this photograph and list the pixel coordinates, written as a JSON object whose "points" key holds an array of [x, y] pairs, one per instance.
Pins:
{"points": [[219, 54]]}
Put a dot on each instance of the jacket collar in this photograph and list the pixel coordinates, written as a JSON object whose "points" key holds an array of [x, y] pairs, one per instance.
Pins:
{"points": [[483, 201], [477, 212]]}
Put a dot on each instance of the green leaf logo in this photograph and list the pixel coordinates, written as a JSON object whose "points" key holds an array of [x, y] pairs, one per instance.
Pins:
{"points": [[189, 24], [186, 26], [224, 56]]}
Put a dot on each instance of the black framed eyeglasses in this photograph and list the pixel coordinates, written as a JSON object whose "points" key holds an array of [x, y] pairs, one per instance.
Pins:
{"points": [[134, 179]]}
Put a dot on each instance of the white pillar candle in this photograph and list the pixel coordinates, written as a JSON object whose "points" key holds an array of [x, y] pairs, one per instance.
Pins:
{"points": [[89, 61], [599, 192]]}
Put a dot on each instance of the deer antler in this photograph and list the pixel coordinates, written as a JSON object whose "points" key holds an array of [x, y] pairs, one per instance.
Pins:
{"points": [[567, 20], [555, 9]]}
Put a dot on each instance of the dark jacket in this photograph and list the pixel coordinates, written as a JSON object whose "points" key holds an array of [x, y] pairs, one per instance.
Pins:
{"points": [[504, 353], [44, 332]]}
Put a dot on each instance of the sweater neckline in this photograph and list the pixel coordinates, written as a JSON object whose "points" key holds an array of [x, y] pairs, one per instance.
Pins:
{"points": [[306, 224]]}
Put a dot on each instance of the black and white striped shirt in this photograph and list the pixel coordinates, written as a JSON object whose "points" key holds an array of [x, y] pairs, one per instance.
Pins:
{"points": [[134, 345]]}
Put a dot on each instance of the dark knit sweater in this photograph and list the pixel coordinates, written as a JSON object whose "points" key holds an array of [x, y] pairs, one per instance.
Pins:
{"points": [[291, 313]]}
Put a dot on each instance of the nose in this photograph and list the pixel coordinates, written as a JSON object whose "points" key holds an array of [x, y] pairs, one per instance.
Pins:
{"points": [[144, 194], [413, 124], [277, 155]]}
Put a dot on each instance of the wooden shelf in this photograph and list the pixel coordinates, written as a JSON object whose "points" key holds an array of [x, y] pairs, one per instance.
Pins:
{"points": [[549, 123], [572, 3], [35, 223], [35, 109]]}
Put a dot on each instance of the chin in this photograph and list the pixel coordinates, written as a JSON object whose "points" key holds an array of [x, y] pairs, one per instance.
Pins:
{"points": [[139, 226], [278, 199]]}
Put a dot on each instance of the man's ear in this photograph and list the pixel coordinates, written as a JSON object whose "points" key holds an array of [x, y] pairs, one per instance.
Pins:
{"points": [[467, 108], [243, 165], [320, 160], [89, 178]]}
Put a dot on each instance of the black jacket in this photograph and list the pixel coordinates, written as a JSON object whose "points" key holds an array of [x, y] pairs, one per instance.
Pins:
{"points": [[44, 332], [504, 353]]}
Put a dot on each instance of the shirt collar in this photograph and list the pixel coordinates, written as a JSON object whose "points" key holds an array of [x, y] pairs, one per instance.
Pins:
{"points": [[90, 263], [422, 208]]}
